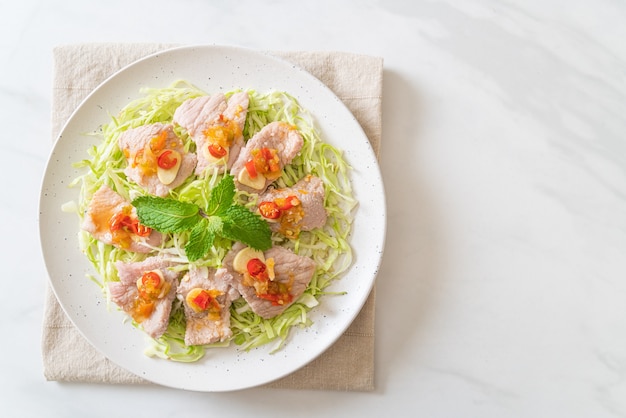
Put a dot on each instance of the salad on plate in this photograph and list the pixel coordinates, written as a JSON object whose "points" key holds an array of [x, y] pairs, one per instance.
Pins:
{"points": [[214, 218]]}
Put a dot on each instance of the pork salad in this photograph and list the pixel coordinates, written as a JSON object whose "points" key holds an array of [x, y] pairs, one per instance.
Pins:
{"points": [[214, 218]]}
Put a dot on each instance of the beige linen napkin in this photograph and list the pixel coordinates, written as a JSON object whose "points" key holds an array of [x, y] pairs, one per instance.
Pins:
{"points": [[355, 79]]}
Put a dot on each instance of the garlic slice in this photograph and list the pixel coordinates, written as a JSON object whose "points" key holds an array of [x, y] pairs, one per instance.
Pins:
{"points": [[257, 183], [168, 175]]}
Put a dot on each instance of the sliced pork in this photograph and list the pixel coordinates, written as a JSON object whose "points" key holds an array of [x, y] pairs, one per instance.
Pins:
{"points": [[294, 209], [140, 296], [288, 277], [266, 153], [157, 160], [215, 124], [210, 322], [113, 220]]}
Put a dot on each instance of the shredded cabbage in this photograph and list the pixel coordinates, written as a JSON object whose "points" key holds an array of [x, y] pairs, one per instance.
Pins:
{"points": [[328, 246]]}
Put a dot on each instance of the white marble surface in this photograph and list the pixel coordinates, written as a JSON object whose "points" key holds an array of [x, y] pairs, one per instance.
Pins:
{"points": [[503, 287]]}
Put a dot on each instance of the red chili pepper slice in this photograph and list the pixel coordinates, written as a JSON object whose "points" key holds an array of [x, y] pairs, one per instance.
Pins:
{"points": [[166, 161], [140, 229], [257, 269], [269, 210], [124, 221], [202, 300], [251, 169], [287, 202], [217, 150], [118, 221], [151, 280], [267, 154]]}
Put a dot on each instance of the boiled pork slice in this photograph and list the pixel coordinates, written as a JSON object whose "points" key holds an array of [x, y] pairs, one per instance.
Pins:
{"points": [[105, 205], [126, 295], [142, 147], [292, 271], [210, 326], [206, 117], [280, 136], [307, 215]]}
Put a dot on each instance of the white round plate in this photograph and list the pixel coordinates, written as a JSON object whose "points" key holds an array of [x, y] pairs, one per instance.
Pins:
{"points": [[212, 69]]}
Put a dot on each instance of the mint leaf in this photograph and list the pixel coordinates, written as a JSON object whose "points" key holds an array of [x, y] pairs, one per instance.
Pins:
{"points": [[166, 215], [215, 224], [242, 225], [200, 240], [222, 196], [223, 219]]}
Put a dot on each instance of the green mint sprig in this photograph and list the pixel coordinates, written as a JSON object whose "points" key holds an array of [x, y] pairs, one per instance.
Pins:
{"points": [[222, 217]]}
